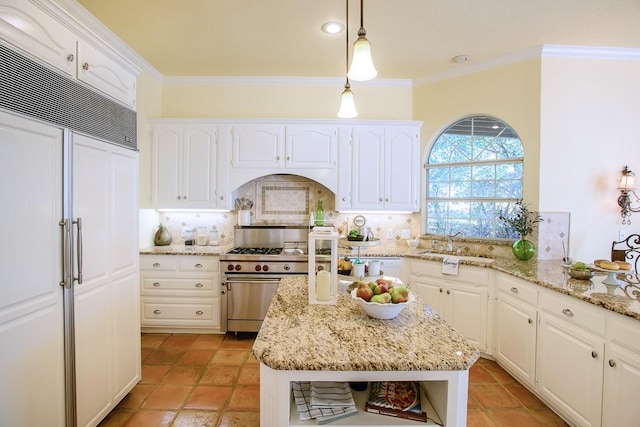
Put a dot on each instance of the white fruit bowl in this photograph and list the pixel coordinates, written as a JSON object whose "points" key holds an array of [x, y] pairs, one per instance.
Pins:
{"points": [[382, 311]]}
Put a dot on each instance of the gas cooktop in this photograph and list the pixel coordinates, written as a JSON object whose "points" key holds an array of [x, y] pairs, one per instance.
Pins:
{"points": [[255, 251]]}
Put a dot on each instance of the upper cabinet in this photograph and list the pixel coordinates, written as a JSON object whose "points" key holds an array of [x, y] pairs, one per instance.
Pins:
{"points": [[185, 167], [384, 166], [43, 37], [257, 146]]}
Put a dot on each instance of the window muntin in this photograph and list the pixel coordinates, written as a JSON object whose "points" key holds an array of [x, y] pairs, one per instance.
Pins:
{"points": [[474, 170]]}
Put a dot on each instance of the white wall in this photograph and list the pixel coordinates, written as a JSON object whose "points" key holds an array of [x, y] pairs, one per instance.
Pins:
{"points": [[589, 130]]}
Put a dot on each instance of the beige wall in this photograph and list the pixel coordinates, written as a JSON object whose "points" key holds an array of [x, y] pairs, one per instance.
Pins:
{"points": [[589, 131], [291, 98], [510, 93]]}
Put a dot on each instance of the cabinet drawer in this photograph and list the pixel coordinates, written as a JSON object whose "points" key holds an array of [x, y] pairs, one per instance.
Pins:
{"points": [[519, 290], [159, 263], [178, 311], [187, 284], [476, 275], [574, 311], [623, 331], [196, 263]]}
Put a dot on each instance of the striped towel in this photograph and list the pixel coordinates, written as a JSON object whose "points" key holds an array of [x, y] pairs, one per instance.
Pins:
{"points": [[302, 397], [327, 394]]}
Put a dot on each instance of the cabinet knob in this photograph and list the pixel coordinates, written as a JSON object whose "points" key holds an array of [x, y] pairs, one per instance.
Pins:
{"points": [[277, 157], [344, 199], [380, 199], [448, 292], [288, 158], [386, 200], [514, 290], [199, 285], [156, 284], [178, 197], [156, 264], [70, 57], [85, 66], [530, 321], [440, 290], [184, 197], [612, 363], [156, 311], [199, 312], [567, 312], [198, 265], [594, 354]]}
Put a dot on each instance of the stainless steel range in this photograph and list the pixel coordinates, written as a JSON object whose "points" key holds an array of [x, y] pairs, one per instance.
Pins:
{"points": [[252, 270]]}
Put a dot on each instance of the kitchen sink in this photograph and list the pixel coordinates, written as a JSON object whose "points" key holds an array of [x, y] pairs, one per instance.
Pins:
{"points": [[441, 256]]}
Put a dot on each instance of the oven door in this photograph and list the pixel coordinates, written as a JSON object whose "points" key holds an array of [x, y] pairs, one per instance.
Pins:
{"points": [[248, 299]]}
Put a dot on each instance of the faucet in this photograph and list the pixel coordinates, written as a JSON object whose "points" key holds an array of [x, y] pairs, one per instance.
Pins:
{"points": [[450, 240]]}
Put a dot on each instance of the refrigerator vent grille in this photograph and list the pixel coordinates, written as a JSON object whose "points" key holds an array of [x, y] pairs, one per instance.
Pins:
{"points": [[34, 90]]}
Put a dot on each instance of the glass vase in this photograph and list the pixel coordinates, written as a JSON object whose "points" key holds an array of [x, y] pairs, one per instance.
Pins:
{"points": [[523, 249]]}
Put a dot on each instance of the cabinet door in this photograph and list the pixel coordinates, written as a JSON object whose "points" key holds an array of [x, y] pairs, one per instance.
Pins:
{"points": [[38, 34], [466, 308], [401, 166], [105, 74], [257, 146], [311, 147], [570, 369], [515, 338], [166, 167], [429, 291], [367, 168], [343, 196], [621, 387], [199, 167]]}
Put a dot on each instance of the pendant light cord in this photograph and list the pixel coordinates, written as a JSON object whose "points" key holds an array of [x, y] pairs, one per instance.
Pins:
{"points": [[361, 13], [347, 43]]}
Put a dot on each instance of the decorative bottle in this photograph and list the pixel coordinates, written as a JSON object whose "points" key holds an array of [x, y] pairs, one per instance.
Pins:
{"points": [[319, 213]]}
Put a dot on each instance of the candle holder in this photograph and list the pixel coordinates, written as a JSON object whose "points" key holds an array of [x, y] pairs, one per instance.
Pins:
{"points": [[323, 284]]}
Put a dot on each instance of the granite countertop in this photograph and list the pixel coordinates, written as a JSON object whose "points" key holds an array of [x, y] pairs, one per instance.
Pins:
{"points": [[298, 336], [182, 249]]}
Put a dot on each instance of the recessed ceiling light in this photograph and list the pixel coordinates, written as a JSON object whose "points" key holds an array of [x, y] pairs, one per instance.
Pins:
{"points": [[332, 27], [459, 59]]}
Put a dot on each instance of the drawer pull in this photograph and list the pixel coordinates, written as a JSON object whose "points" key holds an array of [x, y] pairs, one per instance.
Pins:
{"points": [[612, 363], [70, 57], [514, 290], [530, 321], [567, 312], [156, 311], [156, 284], [85, 66], [594, 354], [199, 285], [198, 265], [199, 312], [156, 264]]}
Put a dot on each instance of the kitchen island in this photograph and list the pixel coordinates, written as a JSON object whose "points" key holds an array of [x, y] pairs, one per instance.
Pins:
{"points": [[302, 342]]}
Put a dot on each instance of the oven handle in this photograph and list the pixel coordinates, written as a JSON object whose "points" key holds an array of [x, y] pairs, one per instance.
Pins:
{"points": [[275, 280]]}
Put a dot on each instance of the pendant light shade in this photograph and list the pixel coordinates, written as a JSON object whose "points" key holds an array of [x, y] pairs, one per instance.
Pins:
{"points": [[347, 104], [362, 68]]}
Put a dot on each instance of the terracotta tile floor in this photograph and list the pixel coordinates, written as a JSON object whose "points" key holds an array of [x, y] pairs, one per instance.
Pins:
{"points": [[214, 380]]}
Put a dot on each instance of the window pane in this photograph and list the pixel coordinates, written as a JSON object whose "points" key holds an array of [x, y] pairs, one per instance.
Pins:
{"points": [[439, 189], [483, 189]]}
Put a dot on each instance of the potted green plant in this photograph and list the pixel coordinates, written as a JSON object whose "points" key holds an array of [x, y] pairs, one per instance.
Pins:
{"points": [[521, 221]]}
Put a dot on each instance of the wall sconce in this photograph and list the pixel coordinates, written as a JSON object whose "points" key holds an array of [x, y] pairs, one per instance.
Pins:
{"points": [[626, 186]]}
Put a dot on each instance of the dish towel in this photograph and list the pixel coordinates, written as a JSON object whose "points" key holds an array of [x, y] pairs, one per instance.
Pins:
{"points": [[302, 398], [327, 394]]}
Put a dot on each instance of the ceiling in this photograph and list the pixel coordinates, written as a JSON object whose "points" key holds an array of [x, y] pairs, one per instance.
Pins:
{"points": [[410, 39]]}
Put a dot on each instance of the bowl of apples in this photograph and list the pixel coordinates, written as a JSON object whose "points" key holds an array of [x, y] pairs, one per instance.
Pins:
{"points": [[382, 299]]}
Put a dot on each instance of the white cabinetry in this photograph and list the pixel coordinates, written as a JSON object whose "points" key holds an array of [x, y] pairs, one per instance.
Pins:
{"points": [[516, 315], [39, 34], [185, 167], [384, 163], [180, 293], [462, 300], [621, 372], [570, 357]]}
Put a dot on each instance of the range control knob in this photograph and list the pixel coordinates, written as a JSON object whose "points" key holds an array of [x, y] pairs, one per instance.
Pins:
{"points": [[265, 268], [237, 267], [258, 268], [230, 267], [286, 267]]}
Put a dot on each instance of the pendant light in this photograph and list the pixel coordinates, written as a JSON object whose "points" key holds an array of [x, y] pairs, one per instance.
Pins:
{"points": [[362, 68], [347, 104]]}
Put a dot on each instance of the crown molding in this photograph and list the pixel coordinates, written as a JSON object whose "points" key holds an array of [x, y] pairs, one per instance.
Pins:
{"points": [[282, 81], [591, 52]]}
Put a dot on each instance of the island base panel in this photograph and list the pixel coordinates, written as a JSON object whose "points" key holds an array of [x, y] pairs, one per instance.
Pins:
{"points": [[446, 391]]}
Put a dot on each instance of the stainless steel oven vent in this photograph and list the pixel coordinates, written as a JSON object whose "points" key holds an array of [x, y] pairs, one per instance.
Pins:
{"points": [[31, 89]]}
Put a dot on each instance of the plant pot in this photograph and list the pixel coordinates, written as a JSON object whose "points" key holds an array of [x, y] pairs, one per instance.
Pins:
{"points": [[523, 249], [162, 236]]}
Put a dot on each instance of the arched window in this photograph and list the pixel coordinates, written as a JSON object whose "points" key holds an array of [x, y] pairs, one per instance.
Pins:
{"points": [[474, 170]]}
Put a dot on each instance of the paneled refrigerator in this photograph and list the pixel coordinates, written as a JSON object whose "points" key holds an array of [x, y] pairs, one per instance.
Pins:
{"points": [[69, 291]]}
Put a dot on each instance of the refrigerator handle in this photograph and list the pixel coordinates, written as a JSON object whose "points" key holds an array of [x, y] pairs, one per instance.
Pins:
{"points": [[66, 237], [78, 222]]}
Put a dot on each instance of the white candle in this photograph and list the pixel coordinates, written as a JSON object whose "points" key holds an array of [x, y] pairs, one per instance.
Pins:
{"points": [[323, 285]]}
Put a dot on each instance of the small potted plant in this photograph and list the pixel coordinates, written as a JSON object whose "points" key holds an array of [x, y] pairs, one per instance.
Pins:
{"points": [[522, 221]]}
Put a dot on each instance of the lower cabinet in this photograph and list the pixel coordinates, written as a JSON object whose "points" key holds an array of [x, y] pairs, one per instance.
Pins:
{"points": [[180, 293], [514, 339], [462, 300]]}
